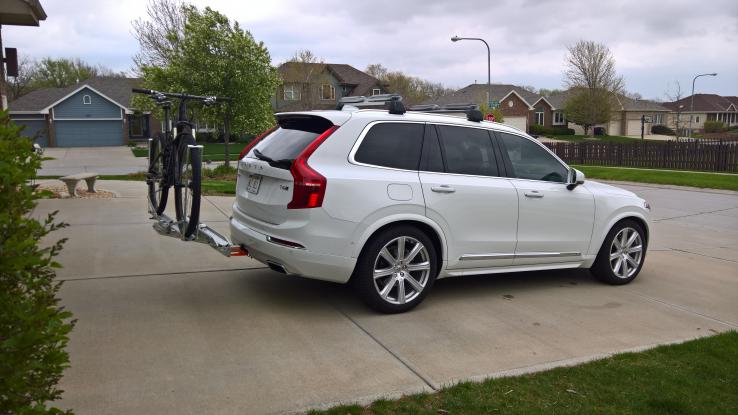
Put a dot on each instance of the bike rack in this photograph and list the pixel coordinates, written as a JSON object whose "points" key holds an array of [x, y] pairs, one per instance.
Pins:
{"points": [[164, 225]]}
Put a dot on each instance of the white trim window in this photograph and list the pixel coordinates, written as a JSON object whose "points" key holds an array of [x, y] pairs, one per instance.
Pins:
{"points": [[657, 119], [327, 92], [559, 118], [292, 92], [376, 91], [86, 99], [540, 119]]}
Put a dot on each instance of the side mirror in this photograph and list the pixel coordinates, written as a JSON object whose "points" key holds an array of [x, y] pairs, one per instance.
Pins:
{"points": [[575, 179]]}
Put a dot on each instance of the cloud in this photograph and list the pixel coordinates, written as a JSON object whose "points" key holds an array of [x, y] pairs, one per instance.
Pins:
{"points": [[653, 42]]}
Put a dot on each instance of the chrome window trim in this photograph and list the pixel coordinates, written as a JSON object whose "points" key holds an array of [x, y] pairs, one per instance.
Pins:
{"points": [[366, 129], [534, 141]]}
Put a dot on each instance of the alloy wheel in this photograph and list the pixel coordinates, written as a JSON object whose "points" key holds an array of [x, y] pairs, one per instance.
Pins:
{"points": [[401, 270], [626, 253]]}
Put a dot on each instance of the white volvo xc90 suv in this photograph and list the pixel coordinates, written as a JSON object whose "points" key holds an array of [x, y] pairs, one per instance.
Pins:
{"points": [[392, 200]]}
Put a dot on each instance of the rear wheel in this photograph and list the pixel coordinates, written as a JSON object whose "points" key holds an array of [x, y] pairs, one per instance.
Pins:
{"points": [[187, 188], [396, 270], [156, 178], [622, 254]]}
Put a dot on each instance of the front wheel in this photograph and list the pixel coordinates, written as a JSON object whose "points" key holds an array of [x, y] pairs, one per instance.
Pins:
{"points": [[187, 187], [396, 270], [622, 254]]}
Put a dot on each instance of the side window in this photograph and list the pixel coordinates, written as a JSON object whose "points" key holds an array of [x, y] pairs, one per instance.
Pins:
{"points": [[432, 160], [468, 151], [530, 161], [395, 145]]}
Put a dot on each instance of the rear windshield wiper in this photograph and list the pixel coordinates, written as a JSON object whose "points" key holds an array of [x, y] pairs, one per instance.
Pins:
{"points": [[280, 164]]}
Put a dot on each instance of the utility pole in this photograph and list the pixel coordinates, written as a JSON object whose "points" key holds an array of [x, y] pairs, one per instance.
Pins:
{"points": [[691, 106]]}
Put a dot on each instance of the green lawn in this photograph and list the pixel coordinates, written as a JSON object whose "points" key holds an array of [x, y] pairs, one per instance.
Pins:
{"points": [[210, 151], [697, 377], [679, 178], [602, 138]]}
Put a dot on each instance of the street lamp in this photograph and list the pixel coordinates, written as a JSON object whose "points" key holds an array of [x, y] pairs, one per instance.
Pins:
{"points": [[691, 106], [489, 62]]}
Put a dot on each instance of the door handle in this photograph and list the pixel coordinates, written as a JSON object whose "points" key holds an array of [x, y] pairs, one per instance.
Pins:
{"points": [[534, 194], [444, 188]]}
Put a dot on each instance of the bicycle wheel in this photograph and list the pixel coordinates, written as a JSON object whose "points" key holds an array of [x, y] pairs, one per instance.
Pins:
{"points": [[187, 187], [156, 176]]}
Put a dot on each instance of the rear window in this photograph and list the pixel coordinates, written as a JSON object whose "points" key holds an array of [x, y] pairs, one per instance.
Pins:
{"points": [[468, 151], [293, 135], [395, 145]]}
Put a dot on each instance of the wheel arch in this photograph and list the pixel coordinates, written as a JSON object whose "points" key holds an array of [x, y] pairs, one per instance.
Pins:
{"points": [[634, 216], [431, 229]]}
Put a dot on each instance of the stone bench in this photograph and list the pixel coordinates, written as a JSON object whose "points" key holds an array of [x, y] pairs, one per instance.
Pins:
{"points": [[72, 180]]}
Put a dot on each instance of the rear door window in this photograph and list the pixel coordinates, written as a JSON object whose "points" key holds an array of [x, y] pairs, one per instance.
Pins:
{"points": [[392, 144], [468, 151], [293, 135]]}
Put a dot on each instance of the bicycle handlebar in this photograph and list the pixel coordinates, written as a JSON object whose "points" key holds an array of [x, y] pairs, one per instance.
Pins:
{"points": [[160, 95]]}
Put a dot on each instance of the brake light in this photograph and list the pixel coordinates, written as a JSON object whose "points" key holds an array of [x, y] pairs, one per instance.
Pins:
{"points": [[253, 142], [309, 185]]}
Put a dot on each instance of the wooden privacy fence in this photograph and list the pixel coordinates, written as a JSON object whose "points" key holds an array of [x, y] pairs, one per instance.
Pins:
{"points": [[705, 155]]}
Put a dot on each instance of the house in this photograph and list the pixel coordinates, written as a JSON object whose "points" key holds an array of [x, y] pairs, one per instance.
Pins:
{"points": [[625, 119], [707, 107], [320, 85], [95, 112], [516, 103]]}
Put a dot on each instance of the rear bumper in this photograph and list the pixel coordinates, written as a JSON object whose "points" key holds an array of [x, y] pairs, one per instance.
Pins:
{"points": [[295, 261]]}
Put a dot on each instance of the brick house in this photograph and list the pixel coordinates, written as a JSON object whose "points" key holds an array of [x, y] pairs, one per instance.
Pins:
{"points": [[320, 85], [516, 103]]}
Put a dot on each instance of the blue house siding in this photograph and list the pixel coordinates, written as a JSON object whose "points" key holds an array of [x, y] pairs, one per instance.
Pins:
{"points": [[74, 107], [35, 130]]}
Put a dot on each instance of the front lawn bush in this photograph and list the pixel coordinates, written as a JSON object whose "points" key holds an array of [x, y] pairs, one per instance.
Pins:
{"points": [[662, 130], [34, 328], [714, 127], [537, 129]]}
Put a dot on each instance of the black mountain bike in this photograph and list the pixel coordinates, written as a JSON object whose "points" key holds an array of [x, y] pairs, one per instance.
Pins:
{"points": [[176, 161]]}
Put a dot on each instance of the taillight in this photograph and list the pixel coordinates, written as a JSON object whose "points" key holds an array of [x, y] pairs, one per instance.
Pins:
{"points": [[309, 185], [253, 142]]}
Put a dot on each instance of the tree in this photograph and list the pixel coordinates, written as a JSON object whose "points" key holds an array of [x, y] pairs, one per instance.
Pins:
{"points": [[160, 36], [63, 72], [217, 57], [309, 72], [34, 328], [23, 83], [496, 112], [591, 76], [414, 90], [546, 92], [675, 96]]}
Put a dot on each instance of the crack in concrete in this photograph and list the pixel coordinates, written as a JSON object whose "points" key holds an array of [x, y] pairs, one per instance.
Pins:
{"points": [[706, 256], [399, 358], [681, 308], [159, 274], [695, 214]]}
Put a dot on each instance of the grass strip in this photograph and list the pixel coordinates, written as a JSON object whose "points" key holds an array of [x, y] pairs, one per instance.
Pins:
{"points": [[678, 178], [696, 377]]}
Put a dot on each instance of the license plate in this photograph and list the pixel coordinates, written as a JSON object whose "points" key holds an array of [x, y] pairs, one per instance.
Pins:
{"points": [[253, 185]]}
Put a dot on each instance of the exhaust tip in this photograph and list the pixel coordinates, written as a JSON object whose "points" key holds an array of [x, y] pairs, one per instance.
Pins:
{"points": [[237, 250]]}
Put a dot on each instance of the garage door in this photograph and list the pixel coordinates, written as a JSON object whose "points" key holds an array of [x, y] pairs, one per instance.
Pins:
{"points": [[88, 133], [634, 127], [518, 122], [35, 130]]}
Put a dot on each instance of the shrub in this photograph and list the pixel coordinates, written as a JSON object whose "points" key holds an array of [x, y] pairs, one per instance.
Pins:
{"points": [[34, 328], [537, 129], [211, 137], [714, 127], [662, 129]]}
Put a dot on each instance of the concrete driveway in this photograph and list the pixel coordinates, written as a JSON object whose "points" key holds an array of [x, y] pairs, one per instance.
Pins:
{"points": [[103, 160], [172, 327]]}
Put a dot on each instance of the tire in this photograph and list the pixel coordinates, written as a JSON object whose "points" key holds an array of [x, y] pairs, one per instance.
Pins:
{"points": [[615, 265], [156, 178], [188, 187], [409, 280]]}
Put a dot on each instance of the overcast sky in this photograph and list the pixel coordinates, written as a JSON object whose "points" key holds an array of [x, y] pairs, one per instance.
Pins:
{"points": [[654, 42]]}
